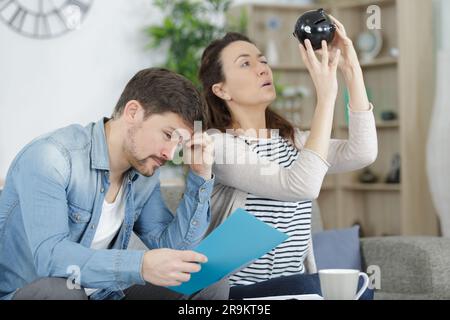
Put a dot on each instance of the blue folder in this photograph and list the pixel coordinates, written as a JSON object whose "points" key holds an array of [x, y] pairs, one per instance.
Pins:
{"points": [[237, 242]]}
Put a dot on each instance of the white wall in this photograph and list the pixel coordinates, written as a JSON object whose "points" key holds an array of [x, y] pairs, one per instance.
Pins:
{"points": [[77, 78]]}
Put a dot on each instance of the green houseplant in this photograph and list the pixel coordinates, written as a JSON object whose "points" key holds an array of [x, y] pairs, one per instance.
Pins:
{"points": [[188, 26]]}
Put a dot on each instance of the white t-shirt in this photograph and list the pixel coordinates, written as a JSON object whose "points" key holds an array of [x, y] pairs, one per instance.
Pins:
{"points": [[111, 220]]}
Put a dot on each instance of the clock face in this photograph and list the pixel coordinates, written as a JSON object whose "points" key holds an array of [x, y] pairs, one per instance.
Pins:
{"points": [[43, 19]]}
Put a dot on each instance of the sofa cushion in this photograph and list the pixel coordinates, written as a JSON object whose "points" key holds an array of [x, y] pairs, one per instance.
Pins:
{"points": [[337, 249]]}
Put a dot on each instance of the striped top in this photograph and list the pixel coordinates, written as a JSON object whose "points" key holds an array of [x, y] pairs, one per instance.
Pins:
{"points": [[292, 218]]}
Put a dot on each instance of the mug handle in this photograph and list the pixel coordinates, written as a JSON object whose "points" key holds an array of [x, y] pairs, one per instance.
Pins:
{"points": [[364, 286]]}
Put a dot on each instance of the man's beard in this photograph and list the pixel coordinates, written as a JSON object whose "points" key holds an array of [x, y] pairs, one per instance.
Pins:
{"points": [[139, 164], [130, 151]]}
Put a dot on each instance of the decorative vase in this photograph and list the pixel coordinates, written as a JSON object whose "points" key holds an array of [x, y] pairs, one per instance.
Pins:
{"points": [[394, 174], [438, 150]]}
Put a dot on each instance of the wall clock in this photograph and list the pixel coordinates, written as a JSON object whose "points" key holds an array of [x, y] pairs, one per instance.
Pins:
{"points": [[43, 19]]}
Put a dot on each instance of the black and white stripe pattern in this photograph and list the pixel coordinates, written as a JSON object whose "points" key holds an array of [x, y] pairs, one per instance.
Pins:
{"points": [[293, 218]]}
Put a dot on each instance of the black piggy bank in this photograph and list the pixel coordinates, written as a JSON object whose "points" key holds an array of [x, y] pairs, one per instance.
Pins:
{"points": [[316, 26]]}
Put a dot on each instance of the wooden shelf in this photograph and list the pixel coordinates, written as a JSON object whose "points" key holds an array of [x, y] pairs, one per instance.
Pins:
{"points": [[343, 4], [388, 125], [287, 6], [349, 4], [379, 62], [380, 125], [372, 187]]}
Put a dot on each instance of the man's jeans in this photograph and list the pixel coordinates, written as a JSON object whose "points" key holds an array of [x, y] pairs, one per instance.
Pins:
{"points": [[56, 289]]}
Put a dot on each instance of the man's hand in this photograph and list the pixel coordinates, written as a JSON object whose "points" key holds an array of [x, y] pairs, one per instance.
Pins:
{"points": [[198, 153], [167, 267]]}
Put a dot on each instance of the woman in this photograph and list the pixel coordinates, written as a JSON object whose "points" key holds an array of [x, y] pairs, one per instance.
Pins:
{"points": [[275, 177]]}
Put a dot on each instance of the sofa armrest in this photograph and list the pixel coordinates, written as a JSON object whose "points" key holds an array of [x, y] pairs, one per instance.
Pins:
{"points": [[410, 266]]}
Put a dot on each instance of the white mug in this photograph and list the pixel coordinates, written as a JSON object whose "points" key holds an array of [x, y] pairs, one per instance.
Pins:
{"points": [[342, 284]]}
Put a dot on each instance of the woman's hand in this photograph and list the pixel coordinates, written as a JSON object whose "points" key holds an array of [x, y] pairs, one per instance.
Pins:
{"points": [[350, 68], [342, 42], [323, 73]]}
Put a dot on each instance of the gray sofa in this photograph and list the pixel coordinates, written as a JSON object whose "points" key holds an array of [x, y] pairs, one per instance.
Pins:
{"points": [[411, 267]]}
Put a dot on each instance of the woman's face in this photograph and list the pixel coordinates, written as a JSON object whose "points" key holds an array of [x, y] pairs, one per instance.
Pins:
{"points": [[248, 78]]}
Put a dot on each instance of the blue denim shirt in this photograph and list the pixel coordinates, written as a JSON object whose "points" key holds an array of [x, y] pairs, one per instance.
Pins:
{"points": [[51, 205]]}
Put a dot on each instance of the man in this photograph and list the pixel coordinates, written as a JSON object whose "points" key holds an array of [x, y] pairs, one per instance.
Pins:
{"points": [[72, 199]]}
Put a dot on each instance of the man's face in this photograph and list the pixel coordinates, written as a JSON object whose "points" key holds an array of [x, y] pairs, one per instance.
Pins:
{"points": [[151, 142]]}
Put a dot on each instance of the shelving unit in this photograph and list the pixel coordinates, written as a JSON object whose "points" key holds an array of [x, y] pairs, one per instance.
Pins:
{"points": [[379, 62], [403, 84], [372, 187], [380, 125]]}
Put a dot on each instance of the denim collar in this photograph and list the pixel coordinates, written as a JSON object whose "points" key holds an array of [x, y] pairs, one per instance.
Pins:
{"points": [[99, 149]]}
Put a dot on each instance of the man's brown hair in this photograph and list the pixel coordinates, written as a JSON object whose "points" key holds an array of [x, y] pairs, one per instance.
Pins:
{"points": [[159, 91]]}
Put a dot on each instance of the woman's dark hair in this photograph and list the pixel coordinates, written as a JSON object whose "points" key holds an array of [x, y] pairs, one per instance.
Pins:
{"points": [[211, 72]]}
